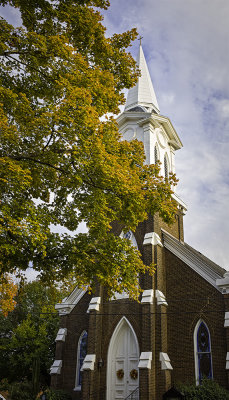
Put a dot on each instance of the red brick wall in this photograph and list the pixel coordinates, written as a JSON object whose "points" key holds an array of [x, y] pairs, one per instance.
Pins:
{"points": [[183, 285], [169, 330]]}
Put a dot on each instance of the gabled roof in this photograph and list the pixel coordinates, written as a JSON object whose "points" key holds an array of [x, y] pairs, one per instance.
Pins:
{"points": [[142, 94], [194, 259]]}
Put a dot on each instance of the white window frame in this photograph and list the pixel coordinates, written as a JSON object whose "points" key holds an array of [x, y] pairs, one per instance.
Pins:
{"points": [[158, 153], [132, 238], [166, 163], [196, 352], [77, 386]]}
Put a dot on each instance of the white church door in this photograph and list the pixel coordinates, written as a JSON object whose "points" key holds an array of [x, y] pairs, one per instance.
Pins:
{"points": [[123, 358]]}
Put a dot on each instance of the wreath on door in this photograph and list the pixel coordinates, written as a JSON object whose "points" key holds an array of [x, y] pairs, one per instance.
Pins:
{"points": [[120, 373], [134, 374]]}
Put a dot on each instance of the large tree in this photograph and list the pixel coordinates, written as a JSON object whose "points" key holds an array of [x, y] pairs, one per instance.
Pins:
{"points": [[61, 163], [8, 291], [27, 337]]}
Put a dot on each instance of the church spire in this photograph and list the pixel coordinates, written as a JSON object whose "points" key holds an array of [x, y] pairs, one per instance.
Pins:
{"points": [[143, 93]]}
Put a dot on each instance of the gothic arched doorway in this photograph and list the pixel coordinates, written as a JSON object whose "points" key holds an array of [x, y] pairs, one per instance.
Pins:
{"points": [[122, 362]]}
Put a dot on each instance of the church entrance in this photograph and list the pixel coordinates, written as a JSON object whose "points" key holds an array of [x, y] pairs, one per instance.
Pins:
{"points": [[123, 358]]}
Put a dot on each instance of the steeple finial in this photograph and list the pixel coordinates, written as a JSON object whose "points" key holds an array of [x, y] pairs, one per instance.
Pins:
{"points": [[140, 38], [142, 94]]}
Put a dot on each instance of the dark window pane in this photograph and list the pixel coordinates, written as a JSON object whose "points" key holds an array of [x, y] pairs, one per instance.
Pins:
{"points": [[204, 352], [155, 154], [203, 344], [204, 366], [127, 235], [166, 167], [81, 356]]}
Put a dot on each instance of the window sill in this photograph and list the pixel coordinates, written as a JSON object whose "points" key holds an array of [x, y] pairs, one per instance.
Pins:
{"points": [[77, 389]]}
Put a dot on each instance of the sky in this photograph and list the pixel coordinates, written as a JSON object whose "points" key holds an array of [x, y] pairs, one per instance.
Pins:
{"points": [[186, 45]]}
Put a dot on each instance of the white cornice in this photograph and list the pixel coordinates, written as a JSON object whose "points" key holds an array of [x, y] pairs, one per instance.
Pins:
{"points": [[174, 139], [223, 283], [70, 302], [137, 116], [180, 202], [142, 118], [190, 258]]}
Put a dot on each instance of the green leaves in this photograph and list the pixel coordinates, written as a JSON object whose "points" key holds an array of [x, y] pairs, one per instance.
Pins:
{"points": [[28, 332], [208, 390], [60, 163]]}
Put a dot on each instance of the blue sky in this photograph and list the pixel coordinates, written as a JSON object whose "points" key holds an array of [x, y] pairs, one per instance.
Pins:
{"points": [[186, 45]]}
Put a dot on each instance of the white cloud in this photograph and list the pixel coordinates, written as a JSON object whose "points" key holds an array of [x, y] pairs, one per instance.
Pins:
{"points": [[187, 50]]}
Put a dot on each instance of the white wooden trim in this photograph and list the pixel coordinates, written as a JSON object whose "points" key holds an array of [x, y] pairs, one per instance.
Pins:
{"points": [[94, 304], [195, 349], [161, 300], [223, 283], [226, 319], [191, 259], [165, 361], [152, 238], [61, 334], [78, 387], [227, 361], [56, 367], [70, 302], [89, 363], [145, 360], [147, 296]]}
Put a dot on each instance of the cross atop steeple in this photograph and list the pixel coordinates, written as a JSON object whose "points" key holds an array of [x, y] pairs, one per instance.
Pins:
{"points": [[143, 93], [140, 38]]}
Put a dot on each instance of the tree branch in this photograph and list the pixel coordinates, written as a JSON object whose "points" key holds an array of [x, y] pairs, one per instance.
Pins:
{"points": [[34, 69], [21, 158]]}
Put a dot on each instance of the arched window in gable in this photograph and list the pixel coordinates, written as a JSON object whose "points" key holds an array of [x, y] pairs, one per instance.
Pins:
{"points": [[202, 349], [81, 354], [130, 236], [166, 166]]}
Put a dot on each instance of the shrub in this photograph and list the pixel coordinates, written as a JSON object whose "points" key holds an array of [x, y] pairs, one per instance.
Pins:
{"points": [[209, 390], [57, 395], [21, 390], [4, 384]]}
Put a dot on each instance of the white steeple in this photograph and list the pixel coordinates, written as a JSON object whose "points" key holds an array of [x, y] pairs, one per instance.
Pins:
{"points": [[143, 93]]}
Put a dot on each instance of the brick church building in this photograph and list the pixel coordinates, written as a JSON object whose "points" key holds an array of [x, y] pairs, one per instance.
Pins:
{"points": [[179, 331]]}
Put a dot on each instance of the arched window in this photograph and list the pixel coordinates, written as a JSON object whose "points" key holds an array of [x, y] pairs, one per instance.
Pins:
{"points": [[156, 154], [81, 354], [202, 349], [130, 236], [166, 167]]}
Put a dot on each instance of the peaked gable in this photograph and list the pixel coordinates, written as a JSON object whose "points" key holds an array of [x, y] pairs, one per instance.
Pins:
{"points": [[206, 268]]}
